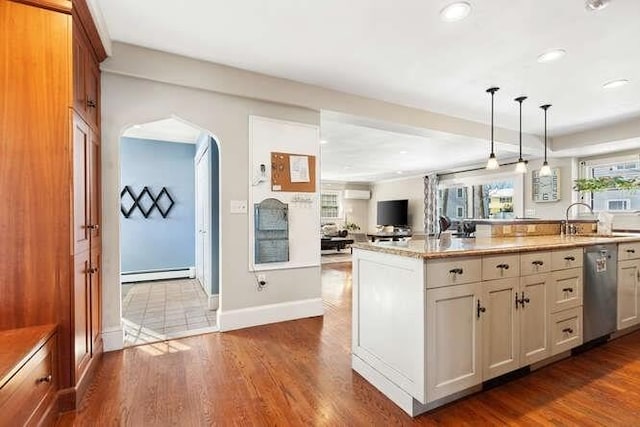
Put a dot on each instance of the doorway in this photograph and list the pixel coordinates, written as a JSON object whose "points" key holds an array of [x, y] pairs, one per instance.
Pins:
{"points": [[169, 232]]}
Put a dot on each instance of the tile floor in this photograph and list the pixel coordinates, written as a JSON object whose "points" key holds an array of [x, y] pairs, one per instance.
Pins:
{"points": [[159, 310]]}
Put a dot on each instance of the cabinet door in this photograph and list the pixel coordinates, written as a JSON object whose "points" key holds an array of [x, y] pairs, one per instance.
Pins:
{"points": [[534, 319], [628, 284], [453, 340], [82, 314], [500, 327], [80, 53], [81, 184], [92, 73], [95, 298], [94, 194]]}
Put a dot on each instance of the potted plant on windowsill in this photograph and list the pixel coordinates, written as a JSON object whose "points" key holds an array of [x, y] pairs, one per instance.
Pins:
{"points": [[605, 183]]}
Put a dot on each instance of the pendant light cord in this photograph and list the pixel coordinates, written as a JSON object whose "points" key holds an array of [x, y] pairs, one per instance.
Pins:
{"points": [[492, 91], [545, 108], [520, 100]]}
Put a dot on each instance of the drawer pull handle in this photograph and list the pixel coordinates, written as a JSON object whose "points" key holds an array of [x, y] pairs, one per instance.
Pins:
{"points": [[570, 258], [631, 251], [538, 263], [567, 290], [456, 271], [568, 330], [46, 379], [503, 266], [480, 309]]}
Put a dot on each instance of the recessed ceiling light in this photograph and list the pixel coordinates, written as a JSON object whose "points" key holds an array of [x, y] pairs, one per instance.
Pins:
{"points": [[323, 141], [455, 11], [399, 172], [593, 5], [615, 83], [552, 55], [403, 152], [137, 126]]}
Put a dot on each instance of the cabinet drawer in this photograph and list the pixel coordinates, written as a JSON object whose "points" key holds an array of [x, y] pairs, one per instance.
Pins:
{"points": [[535, 263], [566, 289], [566, 258], [628, 251], [566, 330], [23, 393], [453, 271], [500, 266]]}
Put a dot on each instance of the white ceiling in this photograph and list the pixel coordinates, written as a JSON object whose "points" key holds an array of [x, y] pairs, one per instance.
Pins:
{"points": [[172, 130], [403, 53]]}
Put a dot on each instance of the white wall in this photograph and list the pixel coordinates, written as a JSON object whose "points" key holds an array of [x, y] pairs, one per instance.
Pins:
{"points": [[411, 189], [127, 101], [551, 210], [354, 210]]}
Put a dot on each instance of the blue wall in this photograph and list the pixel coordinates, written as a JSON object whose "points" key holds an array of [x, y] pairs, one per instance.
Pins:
{"points": [[157, 243]]}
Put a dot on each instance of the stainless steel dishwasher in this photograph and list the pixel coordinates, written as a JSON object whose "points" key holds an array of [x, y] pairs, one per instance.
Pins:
{"points": [[600, 291]]}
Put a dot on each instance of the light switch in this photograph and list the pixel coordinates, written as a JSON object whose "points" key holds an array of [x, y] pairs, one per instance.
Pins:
{"points": [[238, 206]]}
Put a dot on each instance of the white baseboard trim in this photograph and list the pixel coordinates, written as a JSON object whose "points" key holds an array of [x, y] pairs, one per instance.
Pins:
{"points": [[214, 302], [158, 275], [113, 338], [271, 313]]}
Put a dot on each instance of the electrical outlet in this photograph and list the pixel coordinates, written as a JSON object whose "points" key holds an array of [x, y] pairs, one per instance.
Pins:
{"points": [[238, 207]]}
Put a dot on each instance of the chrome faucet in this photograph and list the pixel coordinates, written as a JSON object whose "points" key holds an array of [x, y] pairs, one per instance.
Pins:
{"points": [[571, 229]]}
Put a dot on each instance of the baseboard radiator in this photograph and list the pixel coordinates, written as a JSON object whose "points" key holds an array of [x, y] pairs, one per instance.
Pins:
{"points": [[149, 275]]}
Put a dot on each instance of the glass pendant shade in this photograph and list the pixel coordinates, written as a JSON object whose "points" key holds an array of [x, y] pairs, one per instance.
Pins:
{"points": [[545, 170], [521, 166], [492, 163]]}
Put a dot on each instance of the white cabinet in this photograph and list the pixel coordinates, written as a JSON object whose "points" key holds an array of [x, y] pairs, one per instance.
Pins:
{"points": [[566, 289], [453, 361], [516, 323], [534, 319], [566, 330], [500, 327], [628, 293]]}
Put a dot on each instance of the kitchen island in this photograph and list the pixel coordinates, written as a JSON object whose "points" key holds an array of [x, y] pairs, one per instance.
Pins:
{"points": [[434, 321]]}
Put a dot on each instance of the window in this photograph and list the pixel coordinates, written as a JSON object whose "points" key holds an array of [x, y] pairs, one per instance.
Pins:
{"points": [[627, 167], [460, 192], [618, 204], [460, 212], [330, 205]]}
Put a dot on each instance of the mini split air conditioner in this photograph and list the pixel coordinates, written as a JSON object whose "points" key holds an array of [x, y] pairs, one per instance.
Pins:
{"points": [[357, 194]]}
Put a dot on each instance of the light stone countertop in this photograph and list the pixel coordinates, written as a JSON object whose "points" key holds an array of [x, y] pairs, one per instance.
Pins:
{"points": [[433, 248]]}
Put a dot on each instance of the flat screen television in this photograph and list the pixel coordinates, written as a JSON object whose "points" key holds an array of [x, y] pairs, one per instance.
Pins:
{"points": [[393, 212]]}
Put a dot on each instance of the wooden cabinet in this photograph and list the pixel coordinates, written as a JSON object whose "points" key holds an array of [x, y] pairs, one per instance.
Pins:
{"points": [[566, 330], [28, 376], [628, 293], [49, 174], [86, 78], [454, 350]]}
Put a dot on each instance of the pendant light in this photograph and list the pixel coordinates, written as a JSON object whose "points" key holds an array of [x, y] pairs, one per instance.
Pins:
{"points": [[545, 170], [492, 163], [521, 166]]}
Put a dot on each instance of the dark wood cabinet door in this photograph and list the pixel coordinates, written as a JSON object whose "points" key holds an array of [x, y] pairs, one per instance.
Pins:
{"points": [[81, 185], [92, 75], [96, 301], [82, 314], [80, 58]]}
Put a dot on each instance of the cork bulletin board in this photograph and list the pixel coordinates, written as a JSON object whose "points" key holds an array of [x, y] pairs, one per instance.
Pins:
{"points": [[293, 172]]}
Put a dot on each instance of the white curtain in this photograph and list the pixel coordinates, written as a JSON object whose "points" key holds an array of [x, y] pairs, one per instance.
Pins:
{"points": [[430, 204]]}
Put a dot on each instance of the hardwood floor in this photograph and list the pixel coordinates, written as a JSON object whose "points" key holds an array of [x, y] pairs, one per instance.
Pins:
{"points": [[299, 373]]}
